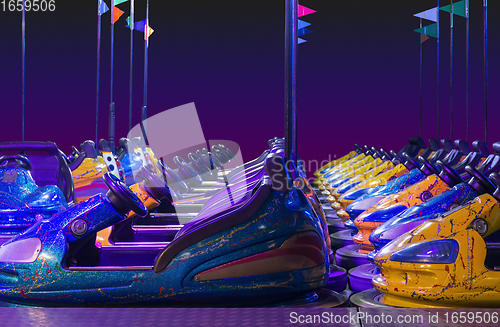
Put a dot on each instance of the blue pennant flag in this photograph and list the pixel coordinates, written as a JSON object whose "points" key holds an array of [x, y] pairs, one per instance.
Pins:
{"points": [[302, 24], [303, 31], [103, 7]]}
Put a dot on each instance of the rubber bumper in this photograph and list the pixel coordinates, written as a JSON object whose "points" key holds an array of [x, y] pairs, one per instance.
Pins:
{"points": [[335, 225], [368, 299], [350, 257], [337, 280], [341, 239], [360, 278]]}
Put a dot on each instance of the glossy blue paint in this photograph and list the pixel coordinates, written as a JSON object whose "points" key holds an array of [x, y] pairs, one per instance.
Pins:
{"points": [[22, 202], [394, 186], [414, 216], [130, 167], [49, 281]]}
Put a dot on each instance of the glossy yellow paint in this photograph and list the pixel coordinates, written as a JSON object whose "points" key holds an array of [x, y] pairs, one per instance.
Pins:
{"points": [[465, 283], [154, 161], [346, 165], [359, 178], [407, 197], [335, 162], [88, 177], [342, 214], [355, 169]]}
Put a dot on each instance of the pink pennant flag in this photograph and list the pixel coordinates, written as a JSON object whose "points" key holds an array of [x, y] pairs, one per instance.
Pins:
{"points": [[305, 11]]}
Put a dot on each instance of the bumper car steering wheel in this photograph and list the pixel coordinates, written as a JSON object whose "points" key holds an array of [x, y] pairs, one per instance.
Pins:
{"points": [[122, 198]]}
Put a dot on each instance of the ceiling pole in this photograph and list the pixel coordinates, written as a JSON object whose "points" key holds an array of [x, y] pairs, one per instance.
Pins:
{"points": [[291, 15]]}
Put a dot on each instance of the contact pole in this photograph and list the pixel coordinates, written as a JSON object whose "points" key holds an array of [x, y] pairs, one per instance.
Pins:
{"points": [[146, 59], [485, 4], [111, 128], [438, 71], [420, 113], [467, 72], [291, 14], [451, 72], [23, 101], [98, 71], [131, 63]]}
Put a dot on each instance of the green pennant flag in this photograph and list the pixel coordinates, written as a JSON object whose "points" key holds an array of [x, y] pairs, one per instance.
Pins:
{"points": [[429, 30], [459, 8], [117, 2]]}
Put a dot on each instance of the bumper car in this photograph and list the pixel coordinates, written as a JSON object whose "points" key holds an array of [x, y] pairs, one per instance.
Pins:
{"points": [[87, 170], [361, 174], [341, 163], [353, 255], [343, 238], [265, 248], [365, 198], [114, 165], [347, 194], [324, 169], [414, 216], [348, 170], [145, 153], [130, 161], [449, 262], [411, 218]]}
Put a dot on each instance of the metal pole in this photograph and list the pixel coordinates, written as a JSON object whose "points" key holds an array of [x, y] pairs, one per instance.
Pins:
{"points": [[111, 128], [420, 116], [131, 63], [98, 70], [291, 15], [23, 105], [485, 4], [451, 72], [467, 72], [438, 71], [146, 46]]}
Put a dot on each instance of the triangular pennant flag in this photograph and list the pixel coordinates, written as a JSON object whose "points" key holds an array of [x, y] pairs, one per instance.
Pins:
{"points": [[117, 2], [299, 40], [303, 31], [459, 8], [305, 11], [117, 13], [148, 32], [103, 7], [302, 24], [430, 14], [430, 30], [424, 38], [138, 26]]}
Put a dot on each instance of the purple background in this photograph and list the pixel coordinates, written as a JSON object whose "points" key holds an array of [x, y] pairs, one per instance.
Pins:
{"points": [[358, 73]]}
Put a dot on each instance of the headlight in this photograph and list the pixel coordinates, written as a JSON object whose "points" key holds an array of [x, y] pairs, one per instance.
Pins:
{"points": [[440, 251], [22, 251]]}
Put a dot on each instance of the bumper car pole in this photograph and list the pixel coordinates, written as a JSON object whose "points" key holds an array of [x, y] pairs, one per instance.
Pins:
{"points": [[144, 114], [131, 64], [291, 15], [24, 70], [111, 128], [99, 13]]}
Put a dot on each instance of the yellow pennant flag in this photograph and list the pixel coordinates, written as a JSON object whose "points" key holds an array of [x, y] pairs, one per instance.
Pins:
{"points": [[148, 32]]}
